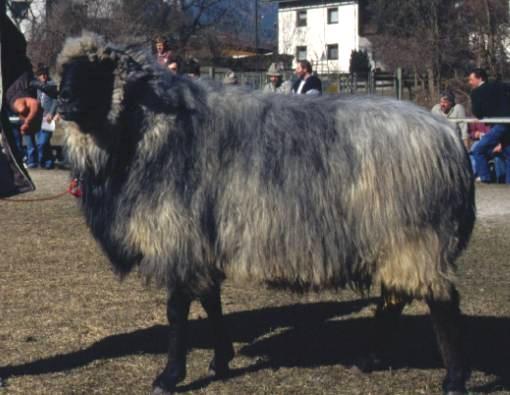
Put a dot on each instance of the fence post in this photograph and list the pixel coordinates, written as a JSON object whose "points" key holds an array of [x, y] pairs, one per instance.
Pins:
{"points": [[398, 83]]}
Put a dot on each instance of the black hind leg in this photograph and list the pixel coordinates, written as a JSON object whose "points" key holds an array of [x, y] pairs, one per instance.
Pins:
{"points": [[223, 350], [447, 322], [382, 339]]}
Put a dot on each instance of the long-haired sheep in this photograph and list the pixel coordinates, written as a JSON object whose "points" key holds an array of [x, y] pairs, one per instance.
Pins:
{"points": [[192, 184]]}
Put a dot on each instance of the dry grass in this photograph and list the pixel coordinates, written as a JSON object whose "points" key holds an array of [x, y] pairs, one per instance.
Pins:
{"points": [[70, 327]]}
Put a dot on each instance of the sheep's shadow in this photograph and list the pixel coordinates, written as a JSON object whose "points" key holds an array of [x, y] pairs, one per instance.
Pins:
{"points": [[307, 335]]}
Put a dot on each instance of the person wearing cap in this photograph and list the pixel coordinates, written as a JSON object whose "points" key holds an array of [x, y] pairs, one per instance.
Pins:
{"points": [[16, 95], [448, 108], [276, 83], [230, 78]]}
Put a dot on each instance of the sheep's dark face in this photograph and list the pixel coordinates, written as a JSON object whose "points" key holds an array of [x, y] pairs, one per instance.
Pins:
{"points": [[86, 92]]}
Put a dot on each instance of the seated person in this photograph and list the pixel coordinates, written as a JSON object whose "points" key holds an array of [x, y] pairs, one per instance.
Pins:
{"points": [[448, 108], [476, 131], [490, 99]]}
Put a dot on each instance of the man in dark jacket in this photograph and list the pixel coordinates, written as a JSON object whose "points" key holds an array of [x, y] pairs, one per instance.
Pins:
{"points": [[16, 95], [307, 83], [490, 100]]}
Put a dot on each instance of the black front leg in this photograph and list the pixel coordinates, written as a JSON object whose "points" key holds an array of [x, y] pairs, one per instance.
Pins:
{"points": [[223, 350], [175, 370]]}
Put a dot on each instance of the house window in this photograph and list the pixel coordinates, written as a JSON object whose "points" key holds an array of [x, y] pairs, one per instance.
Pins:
{"points": [[332, 16], [300, 53], [301, 18], [333, 52]]}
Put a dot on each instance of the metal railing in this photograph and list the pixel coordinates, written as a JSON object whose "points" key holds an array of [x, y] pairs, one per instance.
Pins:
{"points": [[483, 120]]}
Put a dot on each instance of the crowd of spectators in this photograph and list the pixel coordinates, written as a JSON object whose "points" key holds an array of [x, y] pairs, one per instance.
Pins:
{"points": [[488, 144], [306, 82]]}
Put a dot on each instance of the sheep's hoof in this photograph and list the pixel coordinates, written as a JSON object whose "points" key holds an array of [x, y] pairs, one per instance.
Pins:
{"points": [[367, 364], [161, 391], [166, 382], [218, 370]]}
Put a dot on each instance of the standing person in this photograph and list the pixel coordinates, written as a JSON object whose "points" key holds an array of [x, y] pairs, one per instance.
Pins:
{"points": [[230, 78], [276, 83], [451, 110], [17, 95], [307, 83], [39, 146], [490, 99], [163, 53]]}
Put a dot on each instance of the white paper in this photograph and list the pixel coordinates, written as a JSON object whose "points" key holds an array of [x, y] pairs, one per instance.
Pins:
{"points": [[48, 126]]}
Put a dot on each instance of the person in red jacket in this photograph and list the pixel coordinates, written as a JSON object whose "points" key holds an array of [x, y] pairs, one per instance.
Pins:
{"points": [[164, 55]]}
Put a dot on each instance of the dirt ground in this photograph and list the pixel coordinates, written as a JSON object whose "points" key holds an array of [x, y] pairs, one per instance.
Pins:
{"points": [[68, 326]]}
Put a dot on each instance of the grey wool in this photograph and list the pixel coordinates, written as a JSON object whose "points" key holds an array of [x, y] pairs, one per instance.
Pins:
{"points": [[191, 183]]}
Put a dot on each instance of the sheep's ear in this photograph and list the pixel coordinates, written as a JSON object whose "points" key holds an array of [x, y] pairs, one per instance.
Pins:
{"points": [[136, 76], [185, 98], [174, 97]]}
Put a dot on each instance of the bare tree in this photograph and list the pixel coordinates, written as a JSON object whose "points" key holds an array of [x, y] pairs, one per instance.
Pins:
{"points": [[420, 35], [441, 39], [181, 21], [489, 28]]}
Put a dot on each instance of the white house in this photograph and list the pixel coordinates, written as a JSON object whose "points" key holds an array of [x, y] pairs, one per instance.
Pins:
{"points": [[321, 31]]}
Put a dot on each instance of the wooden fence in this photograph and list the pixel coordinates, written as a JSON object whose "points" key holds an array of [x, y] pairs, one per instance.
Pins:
{"points": [[374, 83]]}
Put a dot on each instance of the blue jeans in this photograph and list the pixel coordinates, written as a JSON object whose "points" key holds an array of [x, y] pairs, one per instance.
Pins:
{"points": [[39, 149], [500, 168], [483, 151]]}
